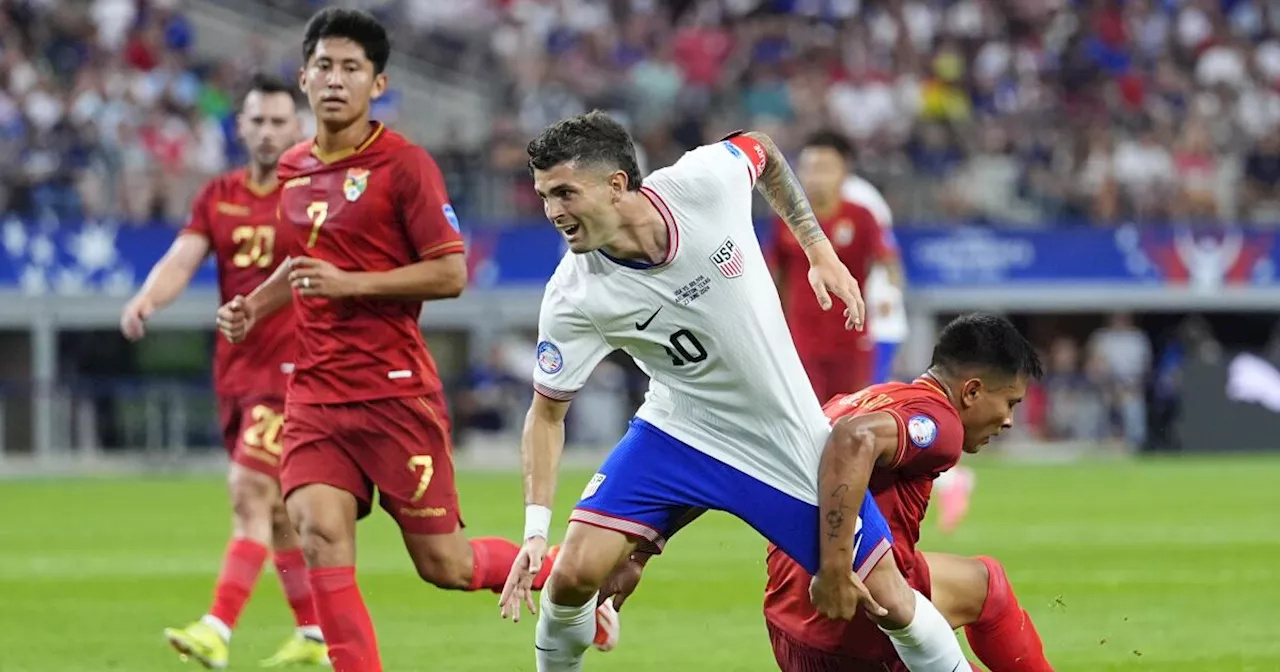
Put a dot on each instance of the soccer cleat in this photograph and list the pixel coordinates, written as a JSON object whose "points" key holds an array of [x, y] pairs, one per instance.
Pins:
{"points": [[299, 650], [955, 488], [200, 641], [608, 628]]}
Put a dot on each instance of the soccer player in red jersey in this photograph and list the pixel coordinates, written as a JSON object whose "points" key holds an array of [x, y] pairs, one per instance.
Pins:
{"points": [[895, 439], [376, 237], [234, 217], [898, 437], [836, 359]]}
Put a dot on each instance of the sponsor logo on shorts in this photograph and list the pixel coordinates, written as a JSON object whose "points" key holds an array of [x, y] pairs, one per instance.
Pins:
{"points": [[593, 485], [922, 430], [549, 358], [424, 512]]}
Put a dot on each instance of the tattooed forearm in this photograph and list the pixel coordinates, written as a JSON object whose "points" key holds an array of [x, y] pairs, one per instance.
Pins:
{"points": [[836, 512], [780, 187]]}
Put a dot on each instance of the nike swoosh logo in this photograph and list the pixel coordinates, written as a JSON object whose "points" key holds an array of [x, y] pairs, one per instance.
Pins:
{"points": [[957, 667], [641, 326], [554, 650]]}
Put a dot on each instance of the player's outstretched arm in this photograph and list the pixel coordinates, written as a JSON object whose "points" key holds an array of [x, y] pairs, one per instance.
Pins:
{"points": [[854, 448], [782, 189], [541, 444], [166, 282]]}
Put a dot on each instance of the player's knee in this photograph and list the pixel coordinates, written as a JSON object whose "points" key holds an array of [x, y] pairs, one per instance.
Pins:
{"points": [[891, 590], [283, 532], [443, 565], [574, 578], [251, 503]]}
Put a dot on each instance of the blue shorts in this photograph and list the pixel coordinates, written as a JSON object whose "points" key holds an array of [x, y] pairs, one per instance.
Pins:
{"points": [[885, 352], [651, 480]]}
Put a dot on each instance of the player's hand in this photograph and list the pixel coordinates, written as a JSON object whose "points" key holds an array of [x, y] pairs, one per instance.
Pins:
{"points": [[519, 587], [838, 594], [235, 319], [827, 276], [133, 320], [623, 581], [316, 277]]}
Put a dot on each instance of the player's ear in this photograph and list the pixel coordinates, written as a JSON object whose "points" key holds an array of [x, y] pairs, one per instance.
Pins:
{"points": [[970, 391], [379, 85], [618, 184], [302, 79]]}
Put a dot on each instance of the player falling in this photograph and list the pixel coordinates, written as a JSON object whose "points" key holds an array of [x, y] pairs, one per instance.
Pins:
{"points": [[671, 273], [904, 435], [375, 238], [234, 217]]}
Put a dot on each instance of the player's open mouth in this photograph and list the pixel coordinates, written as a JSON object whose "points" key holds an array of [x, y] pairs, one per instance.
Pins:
{"points": [[569, 231]]}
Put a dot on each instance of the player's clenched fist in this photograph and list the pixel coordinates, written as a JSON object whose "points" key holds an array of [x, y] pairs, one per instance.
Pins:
{"points": [[827, 276], [838, 593], [519, 587], [316, 277], [235, 320]]}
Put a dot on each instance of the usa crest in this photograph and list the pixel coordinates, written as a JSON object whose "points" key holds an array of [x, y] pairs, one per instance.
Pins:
{"points": [[355, 184], [728, 259]]}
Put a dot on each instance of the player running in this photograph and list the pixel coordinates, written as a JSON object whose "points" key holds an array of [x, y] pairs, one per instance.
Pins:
{"points": [[835, 359], [234, 217], [671, 273], [905, 434], [376, 237]]}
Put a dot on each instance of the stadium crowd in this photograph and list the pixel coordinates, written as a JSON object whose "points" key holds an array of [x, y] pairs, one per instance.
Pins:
{"points": [[1034, 112]]}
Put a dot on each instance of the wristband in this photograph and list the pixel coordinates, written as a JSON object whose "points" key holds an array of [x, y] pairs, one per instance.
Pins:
{"points": [[537, 521]]}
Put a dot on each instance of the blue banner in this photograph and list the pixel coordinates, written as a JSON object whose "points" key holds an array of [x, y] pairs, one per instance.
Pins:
{"points": [[108, 258]]}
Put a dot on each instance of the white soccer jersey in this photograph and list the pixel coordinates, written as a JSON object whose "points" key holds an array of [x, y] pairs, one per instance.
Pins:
{"points": [[706, 325], [890, 328]]}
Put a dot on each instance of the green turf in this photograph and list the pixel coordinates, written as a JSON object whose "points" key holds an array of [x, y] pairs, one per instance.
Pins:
{"points": [[1171, 565]]}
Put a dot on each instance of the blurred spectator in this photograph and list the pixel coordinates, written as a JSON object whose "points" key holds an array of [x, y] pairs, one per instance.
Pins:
{"points": [[490, 392], [1123, 354], [1075, 409]]}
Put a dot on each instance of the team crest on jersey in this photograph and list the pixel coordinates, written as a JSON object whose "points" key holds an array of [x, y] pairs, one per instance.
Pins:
{"points": [[451, 217], [922, 430], [728, 259], [355, 184], [592, 485], [549, 358], [843, 233]]}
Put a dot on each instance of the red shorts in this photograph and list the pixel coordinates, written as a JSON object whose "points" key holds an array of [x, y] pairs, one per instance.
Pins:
{"points": [[841, 372], [793, 656], [251, 428], [400, 446]]}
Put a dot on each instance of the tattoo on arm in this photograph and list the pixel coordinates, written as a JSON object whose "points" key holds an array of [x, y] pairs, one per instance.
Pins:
{"points": [[836, 515], [781, 188]]}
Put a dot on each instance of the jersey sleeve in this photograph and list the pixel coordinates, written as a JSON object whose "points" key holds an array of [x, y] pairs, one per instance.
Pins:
{"points": [[422, 203], [569, 347], [728, 168], [200, 221], [930, 436]]}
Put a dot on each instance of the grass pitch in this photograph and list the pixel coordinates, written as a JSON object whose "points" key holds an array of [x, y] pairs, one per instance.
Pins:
{"points": [[1157, 565]]}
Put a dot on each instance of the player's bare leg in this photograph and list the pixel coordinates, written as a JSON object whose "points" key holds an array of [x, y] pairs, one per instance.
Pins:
{"points": [[453, 562], [567, 612], [326, 520], [974, 593], [919, 633], [253, 495], [306, 646]]}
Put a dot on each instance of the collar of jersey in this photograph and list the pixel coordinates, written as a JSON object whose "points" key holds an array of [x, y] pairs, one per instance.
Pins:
{"points": [[673, 236]]}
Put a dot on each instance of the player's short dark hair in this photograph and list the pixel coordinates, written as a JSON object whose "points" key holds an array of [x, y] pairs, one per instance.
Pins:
{"points": [[829, 139], [987, 343], [352, 24], [591, 138], [267, 83]]}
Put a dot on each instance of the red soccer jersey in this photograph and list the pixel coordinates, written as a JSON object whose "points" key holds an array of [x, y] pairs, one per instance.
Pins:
{"points": [[859, 242], [930, 441], [379, 207], [239, 221]]}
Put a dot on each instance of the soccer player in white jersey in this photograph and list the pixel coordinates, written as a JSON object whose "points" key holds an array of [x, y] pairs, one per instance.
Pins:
{"points": [[954, 487], [671, 273]]}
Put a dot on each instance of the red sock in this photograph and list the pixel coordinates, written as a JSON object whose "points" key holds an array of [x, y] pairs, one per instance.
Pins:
{"points": [[291, 567], [240, 569], [348, 630], [1003, 637], [491, 563]]}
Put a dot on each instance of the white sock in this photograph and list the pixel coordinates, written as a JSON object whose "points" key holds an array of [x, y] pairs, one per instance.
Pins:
{"points": [[218, 626], [928, 644], [563, 634], [311, 632]]}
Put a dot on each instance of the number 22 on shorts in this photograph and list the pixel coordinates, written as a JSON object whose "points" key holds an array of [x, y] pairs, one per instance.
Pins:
{"points": [[428, 467], [317, 212]]}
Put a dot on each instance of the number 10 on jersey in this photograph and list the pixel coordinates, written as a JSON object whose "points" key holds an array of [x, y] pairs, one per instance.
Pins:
{"points": [[685, 348]]}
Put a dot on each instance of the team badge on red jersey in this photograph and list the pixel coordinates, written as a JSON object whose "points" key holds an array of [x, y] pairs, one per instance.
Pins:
{"points": [[728, 258], [355, 184], [922, 430]]}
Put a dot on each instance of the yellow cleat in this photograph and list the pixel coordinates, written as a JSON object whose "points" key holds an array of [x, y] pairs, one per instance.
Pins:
{"points": [[200, 641], [299, 650]]}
